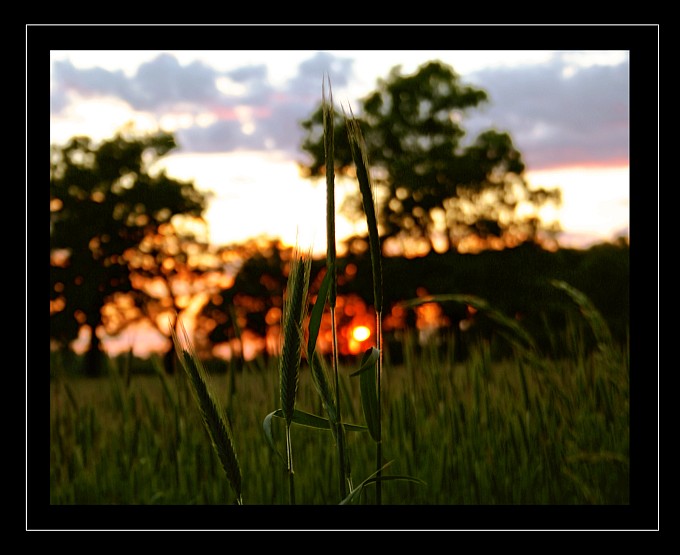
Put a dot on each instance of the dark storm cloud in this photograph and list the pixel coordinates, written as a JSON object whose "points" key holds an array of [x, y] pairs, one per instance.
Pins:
{"points": [[558, 114]]}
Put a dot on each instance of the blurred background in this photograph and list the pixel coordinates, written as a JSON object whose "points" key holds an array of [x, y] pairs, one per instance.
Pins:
{"points": [[180, 181]]}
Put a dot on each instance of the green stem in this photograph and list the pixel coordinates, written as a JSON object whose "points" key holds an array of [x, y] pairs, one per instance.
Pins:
{"points": [[378, 451], [291, 474], [340, 435]]}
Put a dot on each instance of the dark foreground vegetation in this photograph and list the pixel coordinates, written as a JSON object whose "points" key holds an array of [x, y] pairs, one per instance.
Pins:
{"points": [[527, 430], [499, 378], [516, 282]]}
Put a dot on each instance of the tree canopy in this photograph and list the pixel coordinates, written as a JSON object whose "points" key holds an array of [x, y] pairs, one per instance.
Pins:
{"points": [[104, 201], [432, 187]]}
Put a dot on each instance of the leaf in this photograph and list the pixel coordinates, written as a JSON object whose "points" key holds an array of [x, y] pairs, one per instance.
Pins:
{"points": [[368, 359], [302, 418], [268, 434], [374, 478], [307, 419], [482, 306], [316, 314], [595, 320], [323, 386], [369, 394]]}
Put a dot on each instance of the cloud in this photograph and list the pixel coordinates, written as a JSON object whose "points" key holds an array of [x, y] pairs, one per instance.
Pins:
{"points": [[90, 82], [273, 115], [247, 111], [248, 73], [559, 113], [58, 102], [221, 136], [311, 71], [157, 85], [164, 82]]}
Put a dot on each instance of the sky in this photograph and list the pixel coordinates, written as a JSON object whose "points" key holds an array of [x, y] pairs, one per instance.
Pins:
{"points": [[236, 113]]}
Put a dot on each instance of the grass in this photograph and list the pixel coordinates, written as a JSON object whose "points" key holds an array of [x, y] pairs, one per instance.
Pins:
{"points": [[370, 377], [213, 415], [522, 431], [333, 406], [295, 311], [527, 430]]}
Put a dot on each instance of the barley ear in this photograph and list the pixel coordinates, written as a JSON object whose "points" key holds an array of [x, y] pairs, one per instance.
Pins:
{"points": [[329, 151], [358, 146], [360, 156], [213, 416], [294, 312]]}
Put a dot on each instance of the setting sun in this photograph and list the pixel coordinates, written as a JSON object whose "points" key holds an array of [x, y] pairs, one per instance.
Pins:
{"points": [[361, 333]]}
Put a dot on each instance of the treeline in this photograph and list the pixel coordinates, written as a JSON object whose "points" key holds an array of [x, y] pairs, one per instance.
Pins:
{"points": [[515, 282], [518, 283]]}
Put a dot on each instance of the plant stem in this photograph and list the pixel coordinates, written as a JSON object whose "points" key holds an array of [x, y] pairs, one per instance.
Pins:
{"points": [[359, 155], [378, 451], [331, 268], [291, 474], [340, 435]]}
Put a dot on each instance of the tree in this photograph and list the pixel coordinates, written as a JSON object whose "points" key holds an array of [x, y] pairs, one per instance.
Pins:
{"points": [[104, 201], [172, 272], [253, 302], [433, 189]]}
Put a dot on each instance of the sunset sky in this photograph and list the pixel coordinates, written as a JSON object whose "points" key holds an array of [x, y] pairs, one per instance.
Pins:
{"points": [[236, 114]]}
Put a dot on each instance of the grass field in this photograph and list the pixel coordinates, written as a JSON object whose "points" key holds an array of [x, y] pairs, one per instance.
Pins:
{"points": [[432, 430], [527, 430]]}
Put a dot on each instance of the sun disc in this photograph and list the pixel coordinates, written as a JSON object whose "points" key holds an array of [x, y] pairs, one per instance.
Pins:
{"points": [[361, 333]]}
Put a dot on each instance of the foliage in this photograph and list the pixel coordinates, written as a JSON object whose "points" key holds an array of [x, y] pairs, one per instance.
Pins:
{"points": [[527, 431], [104, 201], [212, 413], [433, 186], [257, 288], [514, 281]]}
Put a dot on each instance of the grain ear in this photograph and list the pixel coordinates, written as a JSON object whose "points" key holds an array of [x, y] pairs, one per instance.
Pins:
{"points": [[213, 415], [294, 313]]}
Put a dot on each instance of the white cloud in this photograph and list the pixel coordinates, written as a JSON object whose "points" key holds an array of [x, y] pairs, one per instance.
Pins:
{"points": [[562, 108], [557, 120]]}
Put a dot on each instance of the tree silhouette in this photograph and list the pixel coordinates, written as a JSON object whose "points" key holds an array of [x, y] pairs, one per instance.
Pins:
{"points": [[432, 188], [246, 303], [172, 271], [104, 201]]}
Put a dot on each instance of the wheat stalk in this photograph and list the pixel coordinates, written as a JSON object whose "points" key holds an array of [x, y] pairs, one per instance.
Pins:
{"points": [[294, 312], [331, 268], [360, 157], [329, 151], [213, 415]]}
